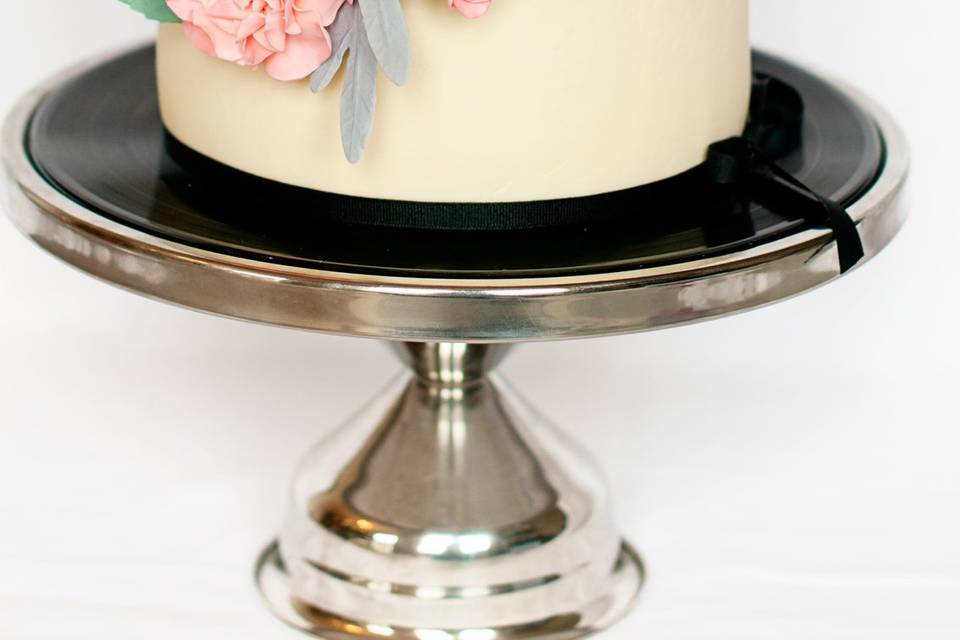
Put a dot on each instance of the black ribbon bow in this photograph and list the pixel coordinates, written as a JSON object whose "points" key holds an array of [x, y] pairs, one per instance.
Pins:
{"points": [[748, 164]]}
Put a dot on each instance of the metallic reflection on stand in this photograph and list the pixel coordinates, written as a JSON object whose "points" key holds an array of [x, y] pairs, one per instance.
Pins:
{"points": [[445, 515]]}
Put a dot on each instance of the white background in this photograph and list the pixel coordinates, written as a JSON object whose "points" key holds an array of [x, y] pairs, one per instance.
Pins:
{"points": [[790, 473]]}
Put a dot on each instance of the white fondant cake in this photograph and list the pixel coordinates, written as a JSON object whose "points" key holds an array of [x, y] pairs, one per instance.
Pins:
{"points": [[539, 99]]}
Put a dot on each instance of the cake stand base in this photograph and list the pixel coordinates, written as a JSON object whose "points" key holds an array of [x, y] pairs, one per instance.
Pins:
{"points": [[449, 510], [624, 583]]}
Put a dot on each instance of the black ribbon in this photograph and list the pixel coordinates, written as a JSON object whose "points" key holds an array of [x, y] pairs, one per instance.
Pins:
{"points": [[746, 167], [447, 216], [737, 171]]}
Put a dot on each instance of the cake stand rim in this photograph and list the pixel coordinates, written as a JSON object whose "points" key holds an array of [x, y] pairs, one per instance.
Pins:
{"points": [[111, 250]]}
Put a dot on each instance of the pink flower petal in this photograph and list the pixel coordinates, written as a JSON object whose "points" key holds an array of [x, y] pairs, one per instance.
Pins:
{"points": [[471, 8], [288, 36], [301, 58]]}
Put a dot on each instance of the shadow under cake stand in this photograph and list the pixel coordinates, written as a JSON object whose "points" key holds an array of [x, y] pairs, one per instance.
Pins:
{"points": [[447, 509]]}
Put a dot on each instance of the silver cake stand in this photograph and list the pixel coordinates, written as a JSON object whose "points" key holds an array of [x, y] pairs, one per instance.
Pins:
{"points": [[448, 509]]}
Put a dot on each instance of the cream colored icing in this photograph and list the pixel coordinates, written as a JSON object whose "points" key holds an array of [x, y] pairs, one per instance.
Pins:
{"points": [[540, 99]]}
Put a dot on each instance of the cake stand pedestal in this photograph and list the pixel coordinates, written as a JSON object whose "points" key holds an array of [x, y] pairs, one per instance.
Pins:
{"points": [[448, 509]]}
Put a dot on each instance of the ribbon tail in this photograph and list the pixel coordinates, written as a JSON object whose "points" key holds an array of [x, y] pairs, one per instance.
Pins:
{"points": [[738, 162], [776, 184]]}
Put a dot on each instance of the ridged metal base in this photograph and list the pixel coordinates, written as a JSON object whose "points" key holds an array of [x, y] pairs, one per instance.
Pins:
{"points": [[449, 510], [624, 585]]}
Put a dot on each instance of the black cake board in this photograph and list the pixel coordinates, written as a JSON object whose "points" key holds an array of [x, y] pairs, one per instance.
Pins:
{"points": [[99, 140]]}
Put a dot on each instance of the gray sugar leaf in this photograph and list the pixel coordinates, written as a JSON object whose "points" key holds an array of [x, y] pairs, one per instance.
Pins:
{"points": [[388, 36], [343, 34], [375, 33], [359, 100]]}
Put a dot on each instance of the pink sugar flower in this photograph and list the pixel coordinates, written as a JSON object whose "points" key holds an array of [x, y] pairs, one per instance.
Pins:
{"points": [[289, 37], [471, 8]]}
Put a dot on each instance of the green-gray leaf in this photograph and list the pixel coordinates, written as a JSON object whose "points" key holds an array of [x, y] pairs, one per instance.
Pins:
{"points": [[389, 37], [343, 36], [359, 100], [153, 9]]}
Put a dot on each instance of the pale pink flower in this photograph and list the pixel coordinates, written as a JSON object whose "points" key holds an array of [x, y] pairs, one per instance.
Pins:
{"points": [[471, 8], [288, 37]]}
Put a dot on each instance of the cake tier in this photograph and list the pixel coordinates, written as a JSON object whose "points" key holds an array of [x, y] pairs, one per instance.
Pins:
{"points": [[537, 100]]}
